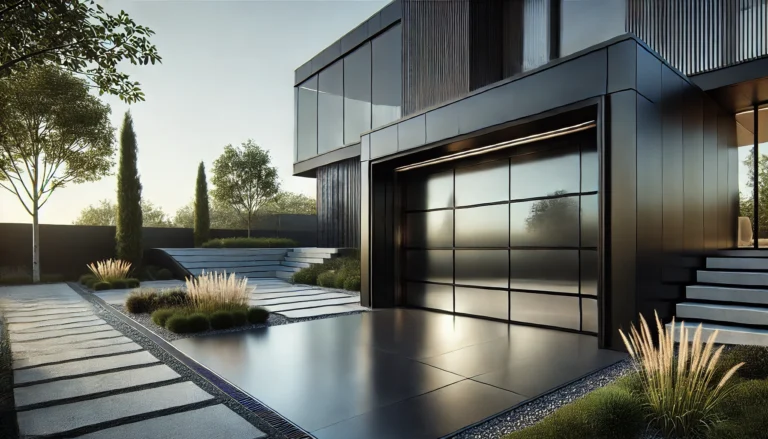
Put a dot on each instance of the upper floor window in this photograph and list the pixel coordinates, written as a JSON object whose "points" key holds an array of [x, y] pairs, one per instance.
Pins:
{"points": [[386, 54], [357, 93], [330, 108], [307, 119]]}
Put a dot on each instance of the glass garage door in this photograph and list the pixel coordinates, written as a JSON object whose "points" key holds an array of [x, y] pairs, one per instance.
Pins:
{"points": [[514, 238]]}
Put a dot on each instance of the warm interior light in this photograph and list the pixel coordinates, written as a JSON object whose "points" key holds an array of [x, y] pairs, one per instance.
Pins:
{"points": [[509, 143]]}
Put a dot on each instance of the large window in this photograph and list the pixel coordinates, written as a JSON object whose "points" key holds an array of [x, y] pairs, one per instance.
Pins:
{"points": [[752, 232], [357, 93], [307, 120], [585, 23], [330, 108], [386, 76]]}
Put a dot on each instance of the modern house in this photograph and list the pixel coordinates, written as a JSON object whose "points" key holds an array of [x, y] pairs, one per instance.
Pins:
{"points": [[559, 163]]}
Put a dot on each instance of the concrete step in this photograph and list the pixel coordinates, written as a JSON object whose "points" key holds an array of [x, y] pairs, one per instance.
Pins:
{"points": [[232, 258], [735, 314], [727, 294], [296, 264], [726, 334], [752, 264], [746, 278], [283, 274], [315, 250], [309, 255], [306, 260]]}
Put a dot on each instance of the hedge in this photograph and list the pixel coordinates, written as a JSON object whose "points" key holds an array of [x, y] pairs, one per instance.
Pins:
{"points": [[250, 243]]}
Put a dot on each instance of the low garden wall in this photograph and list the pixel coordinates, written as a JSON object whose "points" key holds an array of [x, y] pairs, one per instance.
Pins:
{"points": [[66, 249]]}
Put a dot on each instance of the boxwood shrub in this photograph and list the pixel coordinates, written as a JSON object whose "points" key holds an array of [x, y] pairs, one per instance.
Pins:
{"points": [[250, 243], [308, 276], [198, 322], [86, 278], [178, 323], [744, 410], [257, 315], [327, 279], [239, 318], [755, 359], [161, 316], [352, 283], [101, 286], [171, 298], [139, 302], [132, 283], [222, 320], [119, 284]]}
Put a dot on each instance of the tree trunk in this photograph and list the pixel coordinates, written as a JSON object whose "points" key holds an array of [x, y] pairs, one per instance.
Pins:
{"points": [[249, 224], [35, 246]]}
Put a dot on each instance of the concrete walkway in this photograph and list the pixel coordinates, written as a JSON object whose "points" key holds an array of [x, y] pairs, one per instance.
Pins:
{"points": [[277, 295], [75, 375]]}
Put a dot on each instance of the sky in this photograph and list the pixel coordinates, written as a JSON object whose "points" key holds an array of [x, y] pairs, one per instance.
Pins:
{"points": [[226, 76]]}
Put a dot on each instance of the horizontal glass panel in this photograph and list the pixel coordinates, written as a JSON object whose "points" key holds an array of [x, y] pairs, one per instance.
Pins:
{"points": [[430, 191], [589, 272], [552, 222], [357, 93], [482, 268], [479, 302], [483, 183], [589, 221], [330, 108], [544, 270], [590, 173], [485, 226], [544, 309], [307, 119], [547, 173], [429, 229], [386, 76], [429, 296], [589, 315], [429, 265]]}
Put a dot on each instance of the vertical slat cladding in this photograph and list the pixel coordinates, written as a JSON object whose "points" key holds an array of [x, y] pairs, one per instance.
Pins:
{"points": [[697, 36], [486, 39], [338, 204]]}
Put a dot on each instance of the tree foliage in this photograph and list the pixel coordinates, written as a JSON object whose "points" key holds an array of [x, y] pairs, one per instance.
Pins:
{"points": [[244, 179], [291, 203], [547, 216], [129, 216], [746, 199], [105, 214], [52, 133], [78, 35], [221, 217], [202, 223]]}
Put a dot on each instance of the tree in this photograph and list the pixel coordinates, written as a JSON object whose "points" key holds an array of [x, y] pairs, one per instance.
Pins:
{"points": [[105, 214], [221, 217], [746, 200], [52, 133], [547, 217], [128, 234], [79, 36], [202, 213], [244, 179], [292, 203]]}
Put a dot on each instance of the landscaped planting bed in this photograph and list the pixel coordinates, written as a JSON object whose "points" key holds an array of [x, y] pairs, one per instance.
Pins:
{"points": [[339, 273], [250, 243], [110, 274]]}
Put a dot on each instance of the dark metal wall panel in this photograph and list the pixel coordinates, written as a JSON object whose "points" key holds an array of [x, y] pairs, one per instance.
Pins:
{"points": [[338, 204], [710, 176], [693, 172], [697, 36]]}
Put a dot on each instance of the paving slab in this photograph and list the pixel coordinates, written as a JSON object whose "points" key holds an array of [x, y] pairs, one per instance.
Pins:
{"points": [[32, 319], [325, 310], [46, 328], [279, 289], [58, 333], [73, 368], [26, 350], [45, 323], [69, 339], [39, 306], [76, 387], [271, 298], [46, 312], [65, 417], [185, 425], [75, 354], [312, 304]]}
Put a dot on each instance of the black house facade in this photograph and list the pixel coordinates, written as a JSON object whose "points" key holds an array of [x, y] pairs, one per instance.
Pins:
{"points": [[558, 163]]}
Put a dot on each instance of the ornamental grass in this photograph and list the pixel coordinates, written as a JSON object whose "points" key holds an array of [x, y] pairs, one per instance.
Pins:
{"points": [[110, 270], [215, 291], [680, 390]]}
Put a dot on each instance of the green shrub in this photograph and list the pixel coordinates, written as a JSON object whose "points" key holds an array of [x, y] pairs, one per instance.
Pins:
{"points": [[84, 279], [250, 243], [171, 298], [161, 316], [307, 276], [352, 283], [132, 283], [90, 283], [257, 315], [101, 286], [239, 318], [198, 322], [163, 274], [607, 413], [327, 279], [755, 359], [178, 323], [633, 383], [745, 412], [119, 284], [222, 320], [141, 301]]}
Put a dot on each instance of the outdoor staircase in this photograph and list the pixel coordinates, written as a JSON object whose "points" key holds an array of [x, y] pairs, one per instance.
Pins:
{"points": [[731, 295], [250, 262]]}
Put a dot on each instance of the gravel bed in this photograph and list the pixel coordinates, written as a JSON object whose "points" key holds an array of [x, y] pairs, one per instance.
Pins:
{"points": [[534, 411], [184, 371]]}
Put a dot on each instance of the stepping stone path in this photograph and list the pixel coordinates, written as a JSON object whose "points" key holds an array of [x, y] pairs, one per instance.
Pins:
{"points": [[75, 376]]}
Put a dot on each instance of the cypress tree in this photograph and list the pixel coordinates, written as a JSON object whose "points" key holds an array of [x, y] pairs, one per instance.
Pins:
{"points": [[202, 214], [129, 221]]}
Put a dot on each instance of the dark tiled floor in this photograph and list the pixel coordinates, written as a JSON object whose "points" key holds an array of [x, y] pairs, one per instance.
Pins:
{"points": [[398, 373]]}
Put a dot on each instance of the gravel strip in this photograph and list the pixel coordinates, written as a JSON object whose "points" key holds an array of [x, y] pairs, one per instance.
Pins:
{"points": [[534, 411], [184, 371]]}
